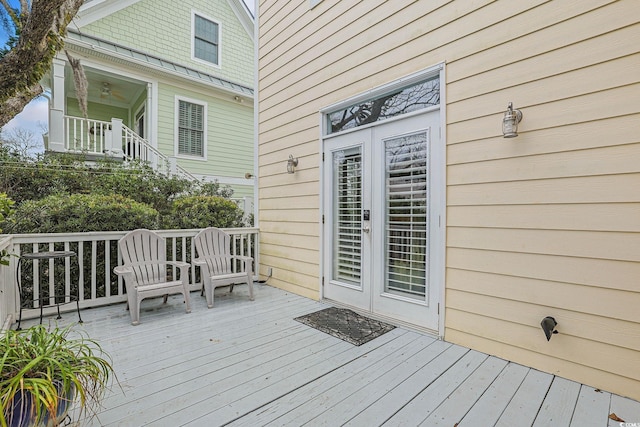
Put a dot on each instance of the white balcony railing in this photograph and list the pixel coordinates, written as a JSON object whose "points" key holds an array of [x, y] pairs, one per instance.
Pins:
{"points": [[87, 135], [100, 138], [89, 274]]}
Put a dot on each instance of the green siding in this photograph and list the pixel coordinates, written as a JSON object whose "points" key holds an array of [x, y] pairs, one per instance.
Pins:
{"points": [[229, 133], [165, 31]]}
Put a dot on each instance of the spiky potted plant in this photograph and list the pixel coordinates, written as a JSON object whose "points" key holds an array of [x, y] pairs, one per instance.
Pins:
{"points": [[43, 372]]}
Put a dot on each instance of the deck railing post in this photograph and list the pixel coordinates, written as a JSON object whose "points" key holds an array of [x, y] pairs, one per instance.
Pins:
{"points": [[114, 137]]}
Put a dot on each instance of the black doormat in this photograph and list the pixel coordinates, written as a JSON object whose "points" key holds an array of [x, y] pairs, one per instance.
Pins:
{"points": [[345, 324]]}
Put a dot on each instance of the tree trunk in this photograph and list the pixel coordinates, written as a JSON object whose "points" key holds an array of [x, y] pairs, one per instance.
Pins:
{"points": [[42, 30]]}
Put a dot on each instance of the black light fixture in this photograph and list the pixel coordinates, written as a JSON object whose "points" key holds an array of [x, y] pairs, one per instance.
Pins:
{"points": [[291, 164], [510, 122], [549, 326]]}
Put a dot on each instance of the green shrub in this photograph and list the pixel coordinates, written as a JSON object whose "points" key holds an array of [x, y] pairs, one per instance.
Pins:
{"points": [[202, 212], [82, 213]]}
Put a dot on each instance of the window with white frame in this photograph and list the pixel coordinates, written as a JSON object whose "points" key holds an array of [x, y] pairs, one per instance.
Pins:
{"points": [[206, 39], [191, 128]]}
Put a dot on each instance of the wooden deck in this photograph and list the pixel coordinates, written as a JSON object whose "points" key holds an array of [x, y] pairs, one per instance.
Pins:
{"points": [[247, 363]]}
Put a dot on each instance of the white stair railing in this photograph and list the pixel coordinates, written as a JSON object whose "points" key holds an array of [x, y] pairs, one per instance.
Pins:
{"points": [[136, 147]]}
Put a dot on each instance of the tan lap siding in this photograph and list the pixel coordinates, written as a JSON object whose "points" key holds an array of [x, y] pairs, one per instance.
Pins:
{"points": [[544, 224], [549, 223]]}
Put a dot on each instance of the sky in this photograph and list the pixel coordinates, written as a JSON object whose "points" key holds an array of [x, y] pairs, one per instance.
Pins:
{"points": [[35, 115]]}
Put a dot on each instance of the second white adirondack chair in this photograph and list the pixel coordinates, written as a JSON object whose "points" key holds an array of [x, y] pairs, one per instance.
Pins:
{"points": [[144, 270], [216, 261]]}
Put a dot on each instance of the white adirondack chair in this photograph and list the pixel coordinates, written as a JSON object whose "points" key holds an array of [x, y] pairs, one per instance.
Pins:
{"points": [[215, 260], [144, 270]]}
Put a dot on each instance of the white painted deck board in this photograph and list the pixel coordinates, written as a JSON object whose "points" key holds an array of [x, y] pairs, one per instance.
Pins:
{"points": [[625, 409], [396, 399], [248, 363], [324, 405], [559, 403], [420, 407], [487, 410], [592, 407], [322, 386], [452, 410], [525, 403]]}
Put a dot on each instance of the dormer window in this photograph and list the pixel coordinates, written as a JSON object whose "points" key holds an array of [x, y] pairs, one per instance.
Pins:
{"points": [[206, 39]]}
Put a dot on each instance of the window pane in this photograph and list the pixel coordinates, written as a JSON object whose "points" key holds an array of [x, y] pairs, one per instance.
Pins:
{"points": [[347, 214], [403, 101], [206, 40], [206, 51], [191, 129], [406, 204]]}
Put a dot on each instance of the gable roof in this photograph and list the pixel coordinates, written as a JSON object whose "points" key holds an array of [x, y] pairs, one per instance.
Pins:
{"points": [[93, 10], [94, 45]]}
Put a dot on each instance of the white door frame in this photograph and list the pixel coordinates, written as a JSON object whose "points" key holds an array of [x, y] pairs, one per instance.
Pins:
{"points": [[438, 177]]}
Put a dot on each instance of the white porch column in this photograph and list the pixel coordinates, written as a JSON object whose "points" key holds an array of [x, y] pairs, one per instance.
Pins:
{"points": [[56, 112]]}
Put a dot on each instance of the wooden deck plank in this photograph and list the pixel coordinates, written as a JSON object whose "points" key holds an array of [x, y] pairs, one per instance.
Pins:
{"points": [[316, 406], [176, 394], [395, 399], [493, 402], [415, 411], [467, 394], [249, 363], [625, 409], [559, 403], [265, 414], [288, 378], [591, 408], [291, 384], [525, 404], [368, 395]]}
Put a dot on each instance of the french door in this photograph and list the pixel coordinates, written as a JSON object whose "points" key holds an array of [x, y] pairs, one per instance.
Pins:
{"points": [[382, 219]]}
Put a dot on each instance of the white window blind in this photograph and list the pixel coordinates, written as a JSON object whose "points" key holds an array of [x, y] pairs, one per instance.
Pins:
{"points": [[406, 225], [191, 129], [347, 215]]}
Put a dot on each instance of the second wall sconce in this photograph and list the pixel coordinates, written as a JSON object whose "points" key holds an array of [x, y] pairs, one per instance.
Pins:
{"points": [[291, 164], [510, 122]]}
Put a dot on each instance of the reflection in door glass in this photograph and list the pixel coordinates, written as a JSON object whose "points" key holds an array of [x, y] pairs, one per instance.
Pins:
{"points": [[406, 209], [347, 211]]}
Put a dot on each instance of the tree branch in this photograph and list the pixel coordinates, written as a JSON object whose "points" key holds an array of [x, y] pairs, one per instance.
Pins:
{"points": [[14, 105], [10, 12], [41, 36]]}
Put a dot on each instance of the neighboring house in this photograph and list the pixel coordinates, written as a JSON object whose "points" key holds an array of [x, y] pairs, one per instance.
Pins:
{"points": [[169, 82], [408, 203]]}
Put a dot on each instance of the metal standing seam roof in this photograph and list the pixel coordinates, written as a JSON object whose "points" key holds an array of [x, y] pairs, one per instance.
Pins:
{"points": [[158, 62]]}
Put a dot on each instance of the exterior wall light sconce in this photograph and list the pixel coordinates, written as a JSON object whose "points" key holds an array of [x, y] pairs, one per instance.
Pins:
{"points": [[510, 122], [291, 164]]}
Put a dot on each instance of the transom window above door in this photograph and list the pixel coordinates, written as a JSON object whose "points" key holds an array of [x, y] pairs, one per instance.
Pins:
{"points": [[206, 39], [402, 100]]}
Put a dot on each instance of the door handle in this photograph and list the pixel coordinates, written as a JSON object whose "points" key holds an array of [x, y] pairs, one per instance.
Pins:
{"points": [[366, 228]]}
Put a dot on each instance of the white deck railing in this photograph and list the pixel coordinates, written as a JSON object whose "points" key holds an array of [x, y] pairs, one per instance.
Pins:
{"points": [[100, 138], [89, 275]]}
